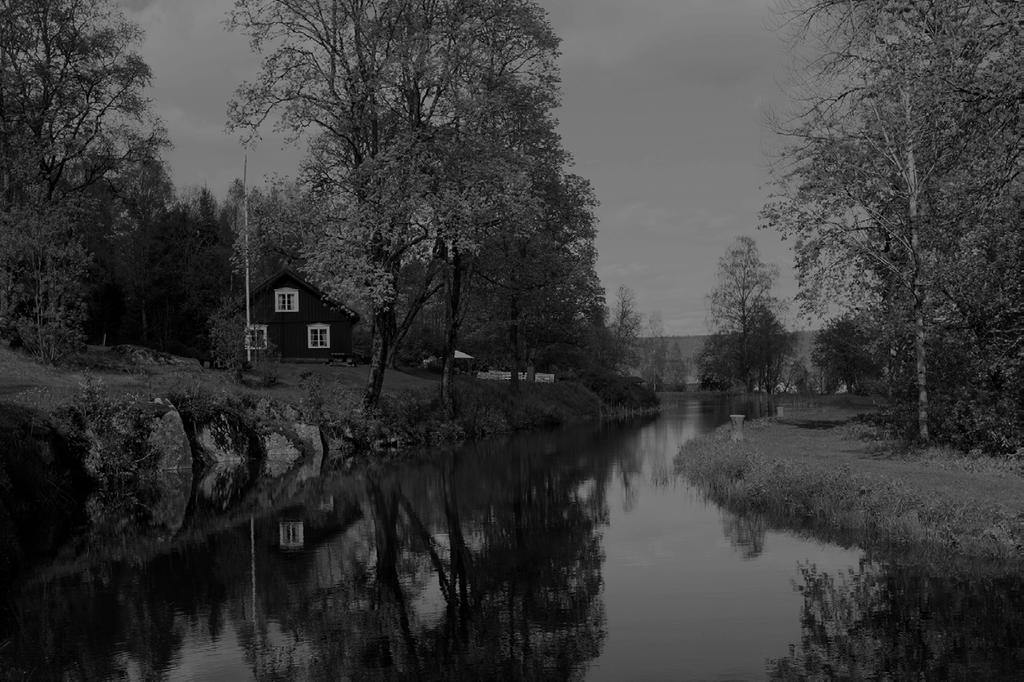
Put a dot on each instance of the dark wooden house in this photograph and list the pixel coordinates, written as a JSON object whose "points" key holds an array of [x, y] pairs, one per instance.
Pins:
{"points": [[298, 321]]}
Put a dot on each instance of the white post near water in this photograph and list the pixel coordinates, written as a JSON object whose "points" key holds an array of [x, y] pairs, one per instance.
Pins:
{"points": [[737, 426]]}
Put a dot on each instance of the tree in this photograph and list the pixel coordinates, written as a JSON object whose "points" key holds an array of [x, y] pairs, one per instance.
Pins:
{"points": [[654, 352], [716, 363], [770, 348], [387, 91], [900, 147], [543, 277], [72, 108], [797, 377], [366, 81], [41, 300], [624, 326], [676, 368], [738, 305], [73, 120], [845, 353], [496, 154]]}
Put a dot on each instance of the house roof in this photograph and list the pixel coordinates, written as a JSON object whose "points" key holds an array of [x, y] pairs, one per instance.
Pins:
{"points": [[289, 273]]}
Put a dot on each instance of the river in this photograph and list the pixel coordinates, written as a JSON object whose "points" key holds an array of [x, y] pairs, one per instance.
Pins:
{"points": [[573, 554]]}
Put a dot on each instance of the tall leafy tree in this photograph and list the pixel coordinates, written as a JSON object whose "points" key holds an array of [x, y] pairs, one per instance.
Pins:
{"points": [[543, 276], [844, 351], [654, 352], [738, 308], [72, 108], [770, 348], [900, 146], [73, 119], [387, 89], [676, 368], [625, 325]]}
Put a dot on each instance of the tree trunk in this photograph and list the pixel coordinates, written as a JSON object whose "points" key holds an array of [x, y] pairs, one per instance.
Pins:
{"points": [[452, 302], [916, 286], [426, 292], [514, 343], [919, 347], [383, 333]]}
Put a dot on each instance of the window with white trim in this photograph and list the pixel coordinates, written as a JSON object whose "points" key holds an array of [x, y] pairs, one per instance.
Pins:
{"points": [[286, 300], [319, 335]]}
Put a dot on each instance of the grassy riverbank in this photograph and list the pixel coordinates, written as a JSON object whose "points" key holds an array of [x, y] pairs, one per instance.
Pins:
{"points": [[821, 470]]}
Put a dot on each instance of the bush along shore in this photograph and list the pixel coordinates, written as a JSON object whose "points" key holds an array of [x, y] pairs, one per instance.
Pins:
{"points": [[834, 478], [148, 470]]}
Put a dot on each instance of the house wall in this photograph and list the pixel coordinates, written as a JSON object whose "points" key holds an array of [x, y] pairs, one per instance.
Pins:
{"points": [[291, 339], [288, 331]]}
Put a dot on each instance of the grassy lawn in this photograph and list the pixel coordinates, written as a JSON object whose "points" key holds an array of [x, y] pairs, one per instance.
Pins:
{"points": [[817, 468], [26, 382]]}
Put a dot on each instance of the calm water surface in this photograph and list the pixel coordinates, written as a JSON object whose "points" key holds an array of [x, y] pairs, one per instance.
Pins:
{"points": [[577, 554]]}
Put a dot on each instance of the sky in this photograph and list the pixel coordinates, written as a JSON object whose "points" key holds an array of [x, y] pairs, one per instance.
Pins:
{"points": [[663, 111]]}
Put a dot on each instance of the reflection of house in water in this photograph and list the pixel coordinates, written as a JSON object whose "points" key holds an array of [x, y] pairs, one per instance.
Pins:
{"points": [[306, 527], [291, 535]]}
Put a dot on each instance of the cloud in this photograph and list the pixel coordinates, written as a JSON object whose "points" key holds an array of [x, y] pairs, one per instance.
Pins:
{"points": [[136, 5]]}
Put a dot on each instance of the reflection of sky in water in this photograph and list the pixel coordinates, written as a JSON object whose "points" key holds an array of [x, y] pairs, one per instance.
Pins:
{"points": [[680, 601]]}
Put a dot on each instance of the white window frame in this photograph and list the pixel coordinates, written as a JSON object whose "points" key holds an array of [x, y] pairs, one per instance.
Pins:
{"points": [[326, 328], [256, 339], [291, 534], [279, 293]]}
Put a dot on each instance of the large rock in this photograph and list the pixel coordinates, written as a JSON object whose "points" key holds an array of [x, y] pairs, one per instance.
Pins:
{"points": [[222, 485], [229, 453], [287, 446], [225, 439], [314, 443], [171, 507], [140, 355], [169, 440], [282, 453], [174, 467]]}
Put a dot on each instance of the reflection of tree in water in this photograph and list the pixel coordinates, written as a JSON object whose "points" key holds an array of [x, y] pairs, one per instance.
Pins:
{"points": [[516, 560], [482, 566], [901, 622], [70, 627], [746, 532], [486, 564]]}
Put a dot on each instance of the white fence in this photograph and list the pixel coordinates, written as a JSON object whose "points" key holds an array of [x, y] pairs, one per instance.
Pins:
{"points": [[539, 377]]}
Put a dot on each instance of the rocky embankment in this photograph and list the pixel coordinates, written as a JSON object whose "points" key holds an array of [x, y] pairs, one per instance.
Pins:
{"points": [[56, 480]]}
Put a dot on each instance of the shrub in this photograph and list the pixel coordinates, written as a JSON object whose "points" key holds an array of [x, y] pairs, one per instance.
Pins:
{"points": [[619, 391], [227, 336], [267, 368], [111, 438]]}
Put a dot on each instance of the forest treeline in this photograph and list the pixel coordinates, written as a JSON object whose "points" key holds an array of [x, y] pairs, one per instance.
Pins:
{"points": [[435, 196]]}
